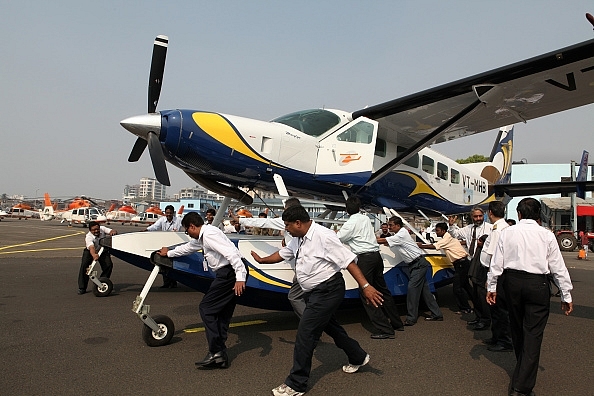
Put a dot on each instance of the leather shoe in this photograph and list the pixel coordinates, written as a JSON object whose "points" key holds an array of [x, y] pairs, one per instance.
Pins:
{"points": [[490, 341], [382, 336], [81, 291], [409, 323], [517, 393], [472, 322], [480, 326], [217, 360], [499, 348], [434, 319]]}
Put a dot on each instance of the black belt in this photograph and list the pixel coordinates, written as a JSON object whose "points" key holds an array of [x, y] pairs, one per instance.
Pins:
{"points": [[523, 273], [367, 253], [415, 260], [460, 260]]}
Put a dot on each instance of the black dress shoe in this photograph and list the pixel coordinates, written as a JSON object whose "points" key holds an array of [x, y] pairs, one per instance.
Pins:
{"points": [[434, 319], [217, 360], [382, 336], [499, 348], [472, 322], [480, 326], [173, 284], [518, 393], [81, 291], [409, 323], [490, 341]]}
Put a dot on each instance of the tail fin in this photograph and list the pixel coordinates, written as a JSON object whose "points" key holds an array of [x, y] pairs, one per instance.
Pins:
{"points": [[582, 175], [498, 171], [180, 211], [112, 207], [48, 211]]}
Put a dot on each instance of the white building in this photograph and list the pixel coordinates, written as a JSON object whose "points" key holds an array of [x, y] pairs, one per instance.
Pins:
{"points": [[151, 189]]}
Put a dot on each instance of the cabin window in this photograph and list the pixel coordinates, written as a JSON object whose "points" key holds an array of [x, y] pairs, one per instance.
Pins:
{"points": [[428, 165], [413, 161], [361, 132], [442, 171], [380, 147], [455, 176], [190, 205]]}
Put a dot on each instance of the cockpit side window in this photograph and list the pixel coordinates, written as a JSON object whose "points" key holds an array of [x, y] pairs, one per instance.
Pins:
{"points": [[413, 161], [361, 132], [311, 122]]}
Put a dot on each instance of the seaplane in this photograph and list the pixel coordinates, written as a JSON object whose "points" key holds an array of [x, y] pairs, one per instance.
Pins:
{"points": [[379, 153]]}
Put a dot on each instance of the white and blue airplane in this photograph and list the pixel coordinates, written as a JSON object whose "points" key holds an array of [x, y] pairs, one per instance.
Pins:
{"points": [[379, 153]]}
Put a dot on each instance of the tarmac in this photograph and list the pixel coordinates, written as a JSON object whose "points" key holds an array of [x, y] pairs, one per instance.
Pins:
{"points": [[58, 342]]}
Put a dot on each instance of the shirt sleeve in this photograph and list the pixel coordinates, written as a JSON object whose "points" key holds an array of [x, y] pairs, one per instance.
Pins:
{"points": [[559, 270], [155, 226], [185, 249], [496, 268], [338, 254], [346, 232]]}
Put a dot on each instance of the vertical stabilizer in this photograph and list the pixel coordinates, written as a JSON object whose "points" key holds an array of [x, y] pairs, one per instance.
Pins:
{"points": [[498, 171], [582, 176], [48, 211]]}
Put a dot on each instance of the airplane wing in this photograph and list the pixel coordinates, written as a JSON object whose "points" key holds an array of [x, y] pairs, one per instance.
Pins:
{"points": [[546, 84], [539, 188]]}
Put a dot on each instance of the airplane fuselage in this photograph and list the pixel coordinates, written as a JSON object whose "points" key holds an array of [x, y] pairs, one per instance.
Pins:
{"points": [[319, 154]]}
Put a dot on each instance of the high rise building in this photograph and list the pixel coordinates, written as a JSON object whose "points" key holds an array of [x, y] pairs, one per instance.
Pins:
{"points": [[151, 189]]}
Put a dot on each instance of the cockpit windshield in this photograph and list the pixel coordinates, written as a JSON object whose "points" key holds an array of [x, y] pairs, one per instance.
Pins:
{"points": [[311, 122]]}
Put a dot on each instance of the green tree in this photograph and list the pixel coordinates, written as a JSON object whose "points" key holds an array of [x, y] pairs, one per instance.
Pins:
{"points": [[473, 159]]}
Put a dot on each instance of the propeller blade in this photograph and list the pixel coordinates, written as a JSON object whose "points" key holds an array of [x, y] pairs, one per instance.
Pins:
{"points": [[137, 150], [158, 159], [157, 71]]}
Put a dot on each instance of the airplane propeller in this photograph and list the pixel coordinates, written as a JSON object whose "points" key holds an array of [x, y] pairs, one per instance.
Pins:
{"points": [[590, 18], [149, 134]]}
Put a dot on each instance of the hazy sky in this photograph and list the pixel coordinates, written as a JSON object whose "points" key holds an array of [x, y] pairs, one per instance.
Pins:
{"points": [[72, 70]]}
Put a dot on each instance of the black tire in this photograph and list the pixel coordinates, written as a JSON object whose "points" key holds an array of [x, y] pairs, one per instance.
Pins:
{"points": [[105, 290], [567, 242], [153, 339]]}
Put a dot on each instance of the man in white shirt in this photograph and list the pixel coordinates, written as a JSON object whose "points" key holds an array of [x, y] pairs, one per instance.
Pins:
{"points": [[170, 223], [418, 265], [469, 237], [319, 258], [90, 254], [526, 253], [218, 303], [357, 233], [500, 340]]}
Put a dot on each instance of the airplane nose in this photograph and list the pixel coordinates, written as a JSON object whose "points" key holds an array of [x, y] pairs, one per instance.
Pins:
{"points": [[143, 124]]}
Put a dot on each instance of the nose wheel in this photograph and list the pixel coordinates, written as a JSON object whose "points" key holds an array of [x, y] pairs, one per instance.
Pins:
{"points": [[104, 289], [159, 337]]}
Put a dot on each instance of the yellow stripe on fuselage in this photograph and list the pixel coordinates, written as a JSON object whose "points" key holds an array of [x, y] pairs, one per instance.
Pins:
{"points": [[268, 281], [219, 129], [438, 263], [421, 186]]}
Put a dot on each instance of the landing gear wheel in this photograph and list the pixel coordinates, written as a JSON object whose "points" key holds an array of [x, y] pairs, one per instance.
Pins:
{"points": [[163, 337], [105, 289]]}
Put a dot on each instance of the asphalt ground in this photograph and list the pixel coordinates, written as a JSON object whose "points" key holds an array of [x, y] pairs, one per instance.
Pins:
{"points": [[60, 343]]}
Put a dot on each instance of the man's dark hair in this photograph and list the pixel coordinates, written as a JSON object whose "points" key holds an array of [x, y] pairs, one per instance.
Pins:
{"points": [[93, 224], [192, 218], [211, 211], [442, 226], [292, 202], [384, 224], [294, 213], [353, 205], [511, 222], [396, 220], [529, 208], [169, 207], [497, 208], [262, 215]]}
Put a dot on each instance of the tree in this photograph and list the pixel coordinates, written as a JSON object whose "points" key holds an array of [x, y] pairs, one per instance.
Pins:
{"points": [[473, 159]]}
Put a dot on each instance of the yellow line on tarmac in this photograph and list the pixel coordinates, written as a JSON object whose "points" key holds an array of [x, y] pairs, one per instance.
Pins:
{"points": [[250, 323], [42, 240], [41, 250]]}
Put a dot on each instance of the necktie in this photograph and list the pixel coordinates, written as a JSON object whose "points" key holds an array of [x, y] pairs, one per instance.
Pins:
{"points": [[473, 243]]}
